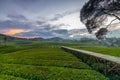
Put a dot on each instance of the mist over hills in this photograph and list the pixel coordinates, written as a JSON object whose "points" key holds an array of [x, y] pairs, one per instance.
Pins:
{"points": [[110, 41]]}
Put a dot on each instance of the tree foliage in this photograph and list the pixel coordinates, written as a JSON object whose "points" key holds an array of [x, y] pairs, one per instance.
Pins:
{"points": [[95, 12]]}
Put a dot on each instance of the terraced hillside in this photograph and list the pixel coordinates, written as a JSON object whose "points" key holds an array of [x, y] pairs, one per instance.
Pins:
{"points": [[43, 63]]}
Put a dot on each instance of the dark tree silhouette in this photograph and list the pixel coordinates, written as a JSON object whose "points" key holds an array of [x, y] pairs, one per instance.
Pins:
{"points": [[95, 12]]}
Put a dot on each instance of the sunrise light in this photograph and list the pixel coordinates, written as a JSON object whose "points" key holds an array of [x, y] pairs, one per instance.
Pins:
{"points": [[13, 31]]}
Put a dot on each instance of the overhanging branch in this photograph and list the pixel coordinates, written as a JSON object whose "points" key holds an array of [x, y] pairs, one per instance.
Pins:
{"points": [[110, 23]]}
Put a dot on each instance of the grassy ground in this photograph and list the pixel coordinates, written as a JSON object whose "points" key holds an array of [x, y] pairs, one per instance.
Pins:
{"points": [[114, 51], [8, 77], [43, 61]]}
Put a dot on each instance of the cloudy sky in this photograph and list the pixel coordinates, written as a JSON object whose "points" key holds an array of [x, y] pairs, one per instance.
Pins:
{"points": [[40, 18]]}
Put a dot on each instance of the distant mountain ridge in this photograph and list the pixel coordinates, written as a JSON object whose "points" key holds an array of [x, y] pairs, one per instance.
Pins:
{"points": [[11, 38]]}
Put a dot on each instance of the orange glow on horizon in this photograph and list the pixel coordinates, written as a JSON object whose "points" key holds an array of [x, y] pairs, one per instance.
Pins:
{"points": [[30, 37], [13, 31]]}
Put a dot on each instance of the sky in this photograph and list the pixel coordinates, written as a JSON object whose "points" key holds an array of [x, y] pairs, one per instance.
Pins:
{"points": [[45, 19], [40, 18]]}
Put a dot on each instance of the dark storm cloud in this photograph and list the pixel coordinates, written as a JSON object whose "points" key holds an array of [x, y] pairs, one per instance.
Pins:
{"points": [[9, 24], [57, 26], [58, 16], [45, 33], [40, 22], [16, 17]]}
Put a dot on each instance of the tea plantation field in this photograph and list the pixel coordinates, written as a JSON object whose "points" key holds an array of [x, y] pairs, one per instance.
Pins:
{"points": [[114, 51], [43, 61]]}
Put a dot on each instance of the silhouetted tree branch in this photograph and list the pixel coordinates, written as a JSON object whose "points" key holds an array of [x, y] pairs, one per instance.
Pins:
{"points": [[95, 12]]}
